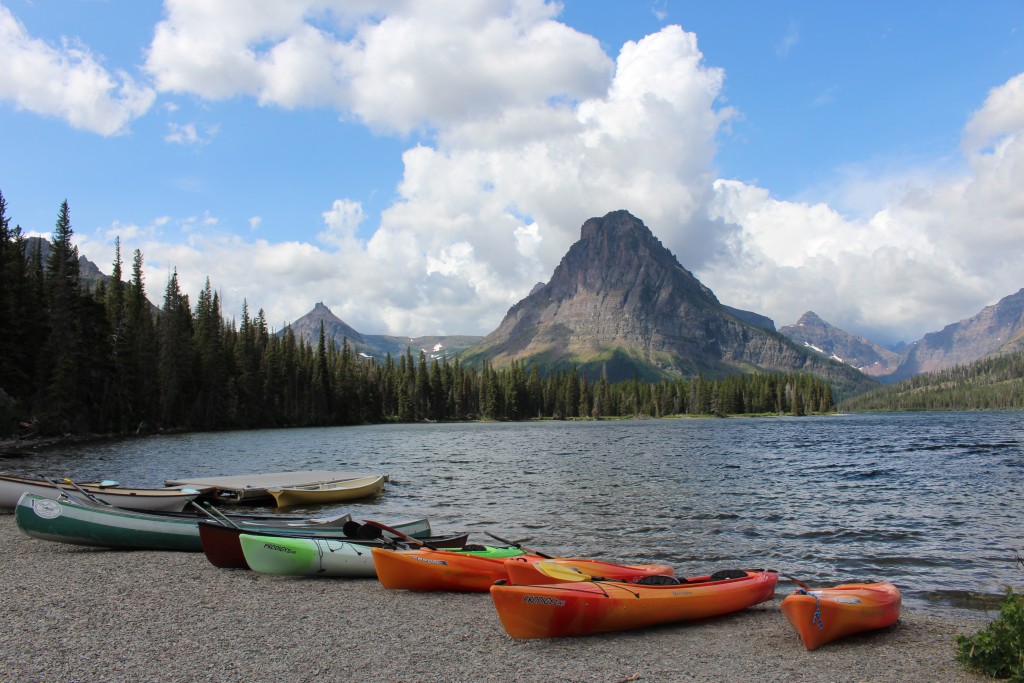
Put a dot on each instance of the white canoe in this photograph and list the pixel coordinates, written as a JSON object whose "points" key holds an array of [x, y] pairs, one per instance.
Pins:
{"points": [[327, 492], [165, 499]]}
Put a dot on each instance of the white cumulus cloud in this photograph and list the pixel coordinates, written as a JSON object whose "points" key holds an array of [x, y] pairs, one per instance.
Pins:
{"points": [[937, 250], [66, 82]]}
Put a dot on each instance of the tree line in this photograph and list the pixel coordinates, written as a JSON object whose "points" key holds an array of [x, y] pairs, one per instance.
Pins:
{"points": [[995, 383], [102, 360]]}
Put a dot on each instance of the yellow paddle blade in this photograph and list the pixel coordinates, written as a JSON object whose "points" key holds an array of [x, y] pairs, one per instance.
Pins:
{"points": [[561, 572]]}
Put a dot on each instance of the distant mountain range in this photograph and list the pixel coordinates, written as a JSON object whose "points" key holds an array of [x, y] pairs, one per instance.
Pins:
{"points": [[995, 330], [375, 345], [620, 304]]}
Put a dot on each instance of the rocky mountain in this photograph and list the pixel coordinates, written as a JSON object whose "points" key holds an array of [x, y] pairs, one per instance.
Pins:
{"points": [[88, 272], [828, 340], [620, 303], [373, 345], [996, 329]]}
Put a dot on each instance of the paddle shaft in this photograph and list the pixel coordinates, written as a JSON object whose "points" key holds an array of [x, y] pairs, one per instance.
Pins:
{"points": [[399, 534], [219, 517], [85, 493], [798, 582], [520, 546]]}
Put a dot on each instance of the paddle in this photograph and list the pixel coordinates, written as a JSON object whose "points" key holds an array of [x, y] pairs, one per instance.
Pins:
{"points": [[399, 534], [85, 493], [562, 573], [798, 582], [571, 574], [520, 546], [219, 517]]}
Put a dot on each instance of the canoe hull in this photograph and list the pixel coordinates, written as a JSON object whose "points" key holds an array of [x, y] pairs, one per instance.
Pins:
{"points": [[169, 499], [223, 549], [587, 608], [288, 556], [441, 570], [332, 492], [526, 573], [820, 616], [63, 522]]}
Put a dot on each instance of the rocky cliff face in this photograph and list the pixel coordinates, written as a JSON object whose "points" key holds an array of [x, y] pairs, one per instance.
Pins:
{"points": [[828, 340], [998, 328], [621, 303]]}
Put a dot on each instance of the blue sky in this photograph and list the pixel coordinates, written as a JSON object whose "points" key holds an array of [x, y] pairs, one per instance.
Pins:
{"points": [[419, 166]]}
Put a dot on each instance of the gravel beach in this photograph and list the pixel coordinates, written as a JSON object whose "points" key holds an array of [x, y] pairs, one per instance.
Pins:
{"points": [[78, 614]]}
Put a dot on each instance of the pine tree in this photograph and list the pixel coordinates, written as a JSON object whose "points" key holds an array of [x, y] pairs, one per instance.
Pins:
{"points": [[175, 366], [140, 354], [61, 401]]}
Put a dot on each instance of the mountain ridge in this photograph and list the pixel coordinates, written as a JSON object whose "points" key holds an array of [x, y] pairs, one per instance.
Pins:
{"points": [[620, 304], [995, 330]]}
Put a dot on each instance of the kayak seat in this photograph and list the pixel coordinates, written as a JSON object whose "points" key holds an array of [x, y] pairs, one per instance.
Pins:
{"points": [[659, 580], [724, 574]]}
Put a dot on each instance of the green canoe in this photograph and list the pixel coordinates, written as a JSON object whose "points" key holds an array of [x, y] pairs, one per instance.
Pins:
{"points": [[68, 521]]}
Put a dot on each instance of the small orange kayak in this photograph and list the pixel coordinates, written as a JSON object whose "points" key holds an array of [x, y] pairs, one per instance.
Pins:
{"points": [[424, 569], [586, 608], [525, 573], [823, 615]]}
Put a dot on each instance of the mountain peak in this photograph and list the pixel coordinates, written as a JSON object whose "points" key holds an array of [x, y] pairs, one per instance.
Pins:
{"points": [[810, 318], [828, 340], [308, 326], [618, 256], [620, 304]]}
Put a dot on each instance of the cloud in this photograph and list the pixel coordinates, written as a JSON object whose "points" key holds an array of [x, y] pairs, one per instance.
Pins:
{"points": [[422, 64], [1000, 117], [66, 82], [789, 41], [936, 250], [342, 221], [491, 200], [488, 210], [188, 134]]}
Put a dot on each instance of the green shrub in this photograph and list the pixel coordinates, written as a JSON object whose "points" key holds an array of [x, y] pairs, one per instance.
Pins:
{"points": [[998, 649]]}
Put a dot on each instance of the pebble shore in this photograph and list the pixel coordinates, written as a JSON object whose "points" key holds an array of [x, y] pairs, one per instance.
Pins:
{"points": [[87, 615]]}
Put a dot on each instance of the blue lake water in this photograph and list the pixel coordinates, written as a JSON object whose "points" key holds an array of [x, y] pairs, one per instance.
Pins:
{"points": [[930, 501]]}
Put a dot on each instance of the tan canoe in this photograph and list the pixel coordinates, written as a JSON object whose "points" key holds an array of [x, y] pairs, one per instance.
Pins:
{"points": [[327, 492]]}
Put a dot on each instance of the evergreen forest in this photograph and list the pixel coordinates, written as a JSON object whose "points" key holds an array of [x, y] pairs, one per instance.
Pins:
{"points": [[995, 383], [101, 359]]}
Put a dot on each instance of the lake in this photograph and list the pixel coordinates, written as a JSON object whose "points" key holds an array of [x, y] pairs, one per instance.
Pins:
{"points": [[930, 501]]}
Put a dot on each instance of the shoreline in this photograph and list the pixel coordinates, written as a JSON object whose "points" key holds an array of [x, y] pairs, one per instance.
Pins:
{"points": [[24, 446], [83, 614]]}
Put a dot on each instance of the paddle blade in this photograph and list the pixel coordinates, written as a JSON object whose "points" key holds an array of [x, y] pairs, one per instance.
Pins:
{"points": [[560, 572], [798, 582]]}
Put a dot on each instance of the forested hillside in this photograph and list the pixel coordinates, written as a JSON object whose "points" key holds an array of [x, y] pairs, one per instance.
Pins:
{"points": [[995, 383], [75, 360]]}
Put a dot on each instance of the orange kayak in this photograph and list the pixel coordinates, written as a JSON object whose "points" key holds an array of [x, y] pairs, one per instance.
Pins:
{"points": [[444, 570], [581, 609], [823, 615], [525, 573]]}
